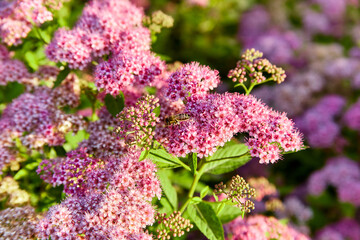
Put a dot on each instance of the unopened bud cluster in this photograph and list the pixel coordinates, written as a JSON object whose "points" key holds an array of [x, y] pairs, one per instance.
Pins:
{"points": [[157, 21], [238, 192], [137, 124], [11, 192], [173, 226], [252, 66], [274, 204]]}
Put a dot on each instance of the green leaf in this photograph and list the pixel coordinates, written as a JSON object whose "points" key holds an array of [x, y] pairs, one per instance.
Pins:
{"points": [[143, 155], [204, 217], [225, 212], [73, 140], [165, 206], [114, 104], [228, 159], [184, 179], [61, 76], [163, 159], [204, 192], [12, 90], [22, 173], [31, 60], [193, 162], [196, 200], [168, 189], [60, 151]]}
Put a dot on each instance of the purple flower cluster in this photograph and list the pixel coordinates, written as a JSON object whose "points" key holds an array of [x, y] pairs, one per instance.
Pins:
{"points": [[34, 119], [352, 116], [261, 228], [344, 229], [103, 142], [341, 173], [110, 197], [11, 69], [318, 123], [17, 18]]}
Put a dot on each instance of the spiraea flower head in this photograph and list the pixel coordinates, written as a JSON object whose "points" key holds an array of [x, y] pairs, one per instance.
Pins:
{"points": [[18, 17], [262, 228], [35, 119], [215, 118], [120, 210], [102, 141], [97, 32], [191, 79], [18, 223], [137, 124], [128, 69], [238, 192], [256, 69], [170, 226]]}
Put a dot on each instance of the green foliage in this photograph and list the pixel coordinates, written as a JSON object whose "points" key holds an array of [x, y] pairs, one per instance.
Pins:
{"points": [[114, 104], [10, 91], [227, 159], [204, 217], [167, 188]]}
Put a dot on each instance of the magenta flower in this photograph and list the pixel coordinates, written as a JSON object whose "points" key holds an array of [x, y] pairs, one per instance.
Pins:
{"points": [[111, 198], [261, 228], [216, 118], [191, 79]]}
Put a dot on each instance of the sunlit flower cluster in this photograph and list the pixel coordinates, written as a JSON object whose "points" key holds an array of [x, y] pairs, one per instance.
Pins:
{"points": [[34, 119], [261, 228], [18, 223], [215, 118], [111, 195], [99, 29], [18, 17]]}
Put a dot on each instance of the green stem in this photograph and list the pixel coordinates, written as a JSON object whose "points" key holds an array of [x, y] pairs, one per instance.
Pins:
{"points": [[197, 177]]}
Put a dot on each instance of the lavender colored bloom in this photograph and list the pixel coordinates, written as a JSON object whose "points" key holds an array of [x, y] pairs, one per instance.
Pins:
{"points": [[318, 123], [261, 228], [352, 116], [341, 173], [344, 229]]}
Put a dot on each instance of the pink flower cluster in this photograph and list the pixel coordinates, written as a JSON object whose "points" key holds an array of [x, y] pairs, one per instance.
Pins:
{"points": [[98, 29], [215, 118], [17, 17], [111, 197], [191, 79], [341, 173], [344, 229], [318, 123], [261, 228], [35, 119]]}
